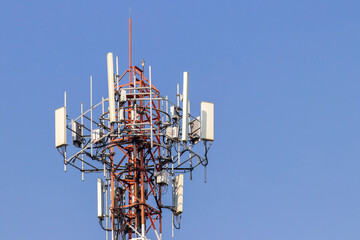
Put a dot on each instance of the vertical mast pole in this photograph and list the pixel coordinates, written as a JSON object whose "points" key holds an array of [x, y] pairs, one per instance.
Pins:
{"points": [[130, 50], [91, 116], [65, 145], [82, 144], [142, 162]]}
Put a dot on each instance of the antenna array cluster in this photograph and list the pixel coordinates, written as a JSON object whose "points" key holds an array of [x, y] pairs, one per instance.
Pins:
{"points": [[142, 143]]}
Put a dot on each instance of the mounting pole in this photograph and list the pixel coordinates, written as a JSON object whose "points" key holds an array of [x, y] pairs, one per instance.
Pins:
{"points": [[82, 144], [91, 115], [117, 65], [65, 121]]}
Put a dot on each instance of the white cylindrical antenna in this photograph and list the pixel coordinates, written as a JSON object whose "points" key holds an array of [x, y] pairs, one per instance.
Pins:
{"points": [[117, 65], [103, 109], [65, 131], [143, 230], [167, 109], [185, 110], [162, 108], [190, 156], [178, 94], [106, 208], [172, 224], [117, 71], [65, 160], [205, 174], [64, 98], [100, 198], [189, 109], [110, 70]]}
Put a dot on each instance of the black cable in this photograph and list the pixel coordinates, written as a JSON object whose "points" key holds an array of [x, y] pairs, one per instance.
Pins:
{"points": [[177, 220], [205, 154], [100, 222]]}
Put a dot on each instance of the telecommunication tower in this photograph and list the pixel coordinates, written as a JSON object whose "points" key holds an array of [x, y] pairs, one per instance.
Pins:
{"points": [[142, 143]]}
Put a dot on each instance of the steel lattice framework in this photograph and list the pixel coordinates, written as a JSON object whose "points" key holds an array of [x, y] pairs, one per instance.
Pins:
{"points": [[140, 154]]}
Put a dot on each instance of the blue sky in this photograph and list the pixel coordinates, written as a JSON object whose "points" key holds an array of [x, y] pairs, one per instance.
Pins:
{"points": [[285, 80]]}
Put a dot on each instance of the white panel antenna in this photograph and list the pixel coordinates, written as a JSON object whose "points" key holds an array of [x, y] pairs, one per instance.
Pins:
{"points": [[173, 113], [178, 194], [172, 132], [207, 121], [100, 198], [134, 114], [110, 70], [60, 127], [97, 136], [185, 109], [76, 133], [121, 114], [123, 97], [163, 177], [195, 128]]}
